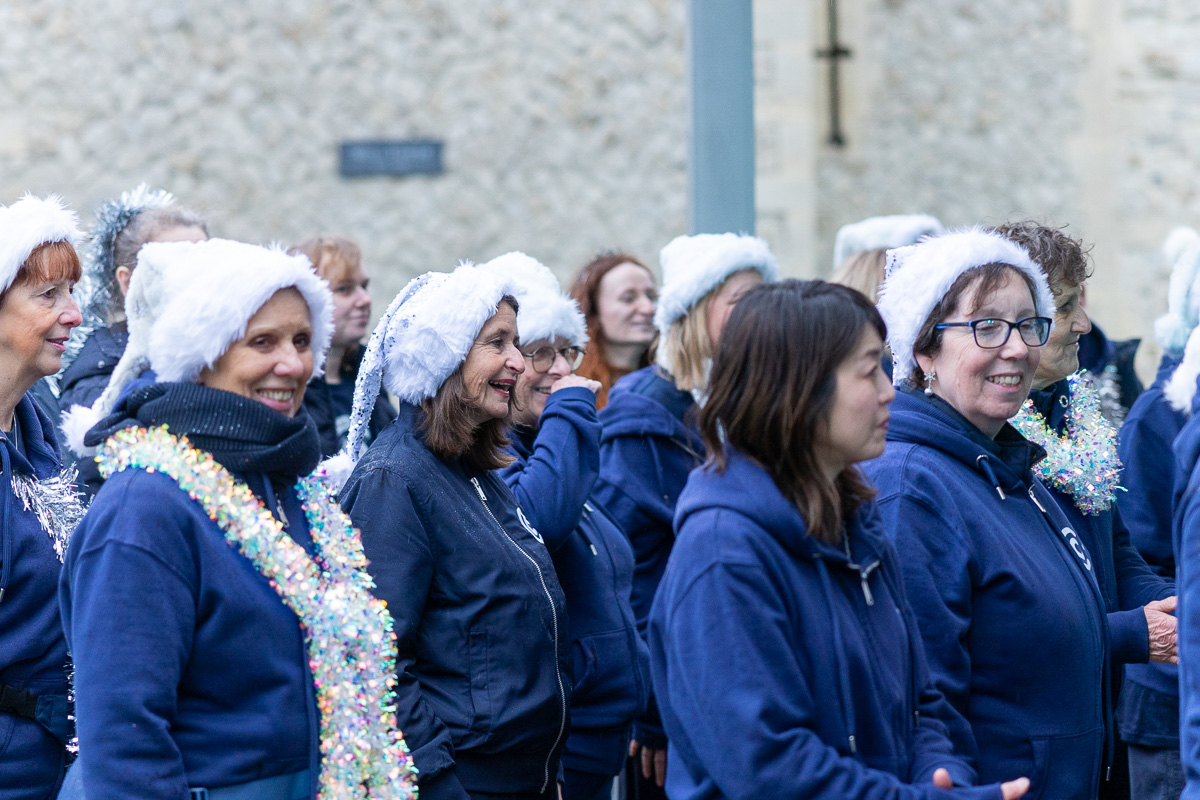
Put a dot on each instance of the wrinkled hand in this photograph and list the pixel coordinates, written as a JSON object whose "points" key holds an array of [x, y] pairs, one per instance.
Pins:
{"points": [[1161, 626], [569, 381], [654, 762], [1011, 790]]}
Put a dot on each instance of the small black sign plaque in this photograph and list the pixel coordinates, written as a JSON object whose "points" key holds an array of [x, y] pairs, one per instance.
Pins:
{"points": [[384, 157]]}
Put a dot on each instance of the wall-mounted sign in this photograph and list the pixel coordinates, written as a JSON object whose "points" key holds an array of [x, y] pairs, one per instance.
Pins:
{"points": [[383, 157]]}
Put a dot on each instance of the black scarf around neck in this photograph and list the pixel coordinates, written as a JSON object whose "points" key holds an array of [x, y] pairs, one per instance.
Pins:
{"points": [[242, 434]]}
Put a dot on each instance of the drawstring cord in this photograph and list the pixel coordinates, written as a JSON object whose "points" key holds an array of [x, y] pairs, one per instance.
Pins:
{"points": [[983, 462]]}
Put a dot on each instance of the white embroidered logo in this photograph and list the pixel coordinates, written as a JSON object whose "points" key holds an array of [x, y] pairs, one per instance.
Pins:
{"points": [[525, 524], [1077, 547]]}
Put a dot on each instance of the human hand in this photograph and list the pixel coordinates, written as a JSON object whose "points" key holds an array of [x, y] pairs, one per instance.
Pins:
{"points": [[1010, 790], [569, 381], [654, 762], [1161, 627]]}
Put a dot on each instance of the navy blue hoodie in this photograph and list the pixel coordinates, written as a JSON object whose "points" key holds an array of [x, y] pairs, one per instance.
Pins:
{"points": [[189, 669], [33, 652], [552, 479], [484, 656], [1010, 610], [785, 667], [649, 442], [1186, 534], [1148, 711]]}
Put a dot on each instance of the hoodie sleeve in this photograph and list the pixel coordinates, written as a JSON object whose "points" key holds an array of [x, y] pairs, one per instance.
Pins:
{"points": [[935, 563], [402, 564], [553, 484], [729, 621], [1137, 585], [1148, 475]]}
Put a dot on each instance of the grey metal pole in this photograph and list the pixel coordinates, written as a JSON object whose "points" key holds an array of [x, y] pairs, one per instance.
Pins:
{"points": [[721, 82]]}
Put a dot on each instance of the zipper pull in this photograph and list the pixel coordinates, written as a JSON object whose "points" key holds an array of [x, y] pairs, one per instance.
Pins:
{"points": [[870, 598], [478, 488]]}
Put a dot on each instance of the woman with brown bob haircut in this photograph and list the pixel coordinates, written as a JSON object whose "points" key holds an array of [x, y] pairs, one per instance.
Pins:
{"points": [[483, 666], [782, 612], [617, 295], [38, 504]]}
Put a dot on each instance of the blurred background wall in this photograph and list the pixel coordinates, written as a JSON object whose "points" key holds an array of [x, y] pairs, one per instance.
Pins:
{"points": [[565, 122]]}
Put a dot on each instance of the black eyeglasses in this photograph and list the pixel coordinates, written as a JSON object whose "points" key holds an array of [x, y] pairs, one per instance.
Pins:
{"points": [[993, 333], [543, 358]]}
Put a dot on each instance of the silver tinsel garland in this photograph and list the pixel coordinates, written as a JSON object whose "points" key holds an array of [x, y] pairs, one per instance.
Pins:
{"points": [[55, 502]]}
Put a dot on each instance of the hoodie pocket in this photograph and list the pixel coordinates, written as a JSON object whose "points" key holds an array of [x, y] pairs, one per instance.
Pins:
{"points": [[481, 703], [604, 677], [1059, 762]]}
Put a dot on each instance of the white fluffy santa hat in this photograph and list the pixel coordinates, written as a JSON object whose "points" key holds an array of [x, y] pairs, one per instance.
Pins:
{"points": [[692, 266], [26, 225], [544, 312], [188, 302], [883, 233], [422, 338], [920, 275]]}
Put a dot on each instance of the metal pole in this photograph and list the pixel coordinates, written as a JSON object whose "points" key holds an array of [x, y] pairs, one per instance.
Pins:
{"points": [[721, 83]]}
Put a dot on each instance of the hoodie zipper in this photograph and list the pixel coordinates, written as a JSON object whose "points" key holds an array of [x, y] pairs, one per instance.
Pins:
{"points": [[562, 694]]}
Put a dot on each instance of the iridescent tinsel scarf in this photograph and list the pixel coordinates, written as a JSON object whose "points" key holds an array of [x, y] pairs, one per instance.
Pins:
{"points": [[351, 646], [1083, 462]]}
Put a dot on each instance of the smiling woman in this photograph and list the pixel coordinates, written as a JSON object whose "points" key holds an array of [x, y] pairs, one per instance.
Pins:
{"points": [[38, 505]]}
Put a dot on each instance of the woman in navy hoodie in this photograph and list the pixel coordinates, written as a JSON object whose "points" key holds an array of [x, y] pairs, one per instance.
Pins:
{"points": [[226, 641], [484, 677], [556, 444], [649, 441], [1005, 590], [38, 504], [786, 659]]}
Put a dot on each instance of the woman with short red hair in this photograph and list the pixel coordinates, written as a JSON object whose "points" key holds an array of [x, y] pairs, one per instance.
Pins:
{"points": [[38, 503]]}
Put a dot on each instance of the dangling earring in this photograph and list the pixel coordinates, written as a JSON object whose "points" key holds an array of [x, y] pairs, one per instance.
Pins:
{"points": [[930, 377]]}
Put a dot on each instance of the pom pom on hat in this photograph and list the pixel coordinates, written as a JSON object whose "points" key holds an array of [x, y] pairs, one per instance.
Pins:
{"points": [[544, 311], [1182, 251], [188, 302], [422, 338], [692, 266], [29, 223], [1180, 388], [883, 233], [920, 275]]}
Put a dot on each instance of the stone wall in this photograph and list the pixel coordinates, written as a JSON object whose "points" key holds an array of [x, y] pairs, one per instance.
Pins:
{"points": [[564, 122]]}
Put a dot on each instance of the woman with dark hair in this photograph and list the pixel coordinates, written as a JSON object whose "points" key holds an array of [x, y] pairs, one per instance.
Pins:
{"points": [[786, 660], [215, 597], [38, 504], [617, 295], [1005, 590], [484, 669], [330, 398]]}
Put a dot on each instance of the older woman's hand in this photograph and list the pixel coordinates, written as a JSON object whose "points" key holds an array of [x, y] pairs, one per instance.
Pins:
{"points": [[1010, 790], [1161, 625], [570, 381]]}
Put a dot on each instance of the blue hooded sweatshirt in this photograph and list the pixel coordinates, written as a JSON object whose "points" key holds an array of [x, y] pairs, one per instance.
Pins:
{"points": [[1148, 711], [649, 442], [785, 667], [189, 669], [552, 479], [1186, 534], [484, 656], [1010, 610], [33, 651]]}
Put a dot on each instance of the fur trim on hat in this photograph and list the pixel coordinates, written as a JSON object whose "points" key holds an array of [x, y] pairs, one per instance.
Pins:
{"points": [[544, 312], [422, 338], [1180, 389], [692, 266], [920, 275], [1182, 249], [883, 233], [29, 223], [220, 284]]}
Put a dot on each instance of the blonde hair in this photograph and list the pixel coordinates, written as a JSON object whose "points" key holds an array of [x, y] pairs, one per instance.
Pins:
{"points": [[863, 271], [334, 258], [686, 352]]}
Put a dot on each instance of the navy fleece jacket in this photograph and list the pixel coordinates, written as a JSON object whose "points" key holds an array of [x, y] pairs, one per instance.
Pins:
{"points": [[649, 443], [1010, 611], [785, 668], [189, 669], [1186, 534], [1148, 713], [484, 656], [33, 652], [552, 479]]}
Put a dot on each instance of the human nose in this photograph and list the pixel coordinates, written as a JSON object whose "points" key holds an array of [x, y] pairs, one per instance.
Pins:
{"points": [[362, 298], [71, 316], [646, 305], [290, 362], [1014, 348], [1082, 322], [513, 359], [561, 367]]}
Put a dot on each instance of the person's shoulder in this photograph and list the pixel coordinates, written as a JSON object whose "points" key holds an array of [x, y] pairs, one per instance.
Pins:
{"points": [[141, 508]]}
